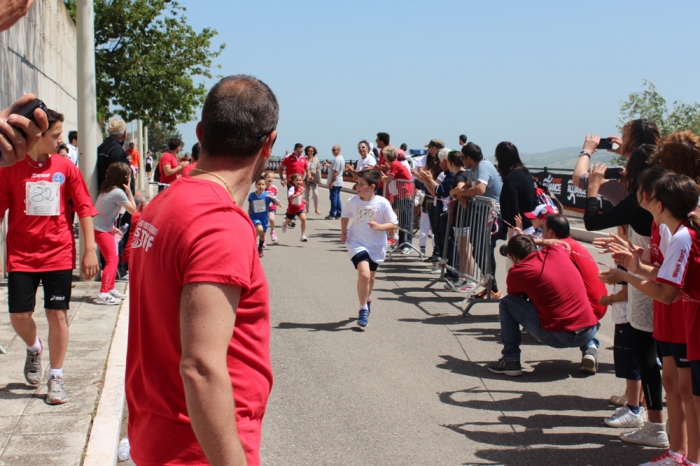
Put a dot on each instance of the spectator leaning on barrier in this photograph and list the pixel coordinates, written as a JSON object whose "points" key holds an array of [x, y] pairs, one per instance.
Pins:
{"points": [[554, 311], [41, 248], [431, 163], [198, 371], [335, 183], [399, 184], [484, 181]]}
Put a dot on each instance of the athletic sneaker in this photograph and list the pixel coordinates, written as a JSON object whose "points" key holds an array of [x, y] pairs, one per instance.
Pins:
{"points": [[293, 224], [273, 235], [619, 400], [650, 434], [284, 228], [329, 217], [117, 294], [589, 361], [56, 395], [406, 250], [624, 417], [260, 253], [108, 299], [32, 366], [303, 238], [667, 459], [511, 368], [362, 318], [391, 242], [482, 295]]}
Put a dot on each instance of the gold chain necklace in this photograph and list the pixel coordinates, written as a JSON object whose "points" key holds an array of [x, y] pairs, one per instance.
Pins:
{"points": [[228, 188]]}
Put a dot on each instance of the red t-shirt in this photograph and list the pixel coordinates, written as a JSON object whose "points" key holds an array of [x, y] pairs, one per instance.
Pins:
{"points": [[198, 236], [669, 319], [273, 191], [38, 243], [295, 165], [170, 160], [129, 241], [595, 289], [188, 169], [296, 205], [555, 287], [402, 188]]}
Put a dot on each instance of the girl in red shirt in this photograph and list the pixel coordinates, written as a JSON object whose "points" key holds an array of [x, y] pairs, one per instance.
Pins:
{"points": [[296, 206]]}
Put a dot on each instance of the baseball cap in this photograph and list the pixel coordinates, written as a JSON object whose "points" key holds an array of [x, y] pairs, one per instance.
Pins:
{"points": [[436, 142], [541, 211], [116, 125]]}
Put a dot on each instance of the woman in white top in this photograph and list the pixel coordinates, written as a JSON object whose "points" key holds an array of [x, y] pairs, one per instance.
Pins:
{"points": [[114, 194]]}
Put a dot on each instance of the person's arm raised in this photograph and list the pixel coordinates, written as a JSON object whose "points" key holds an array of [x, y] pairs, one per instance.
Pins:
{"points": [[590, 145], [207, 319]]}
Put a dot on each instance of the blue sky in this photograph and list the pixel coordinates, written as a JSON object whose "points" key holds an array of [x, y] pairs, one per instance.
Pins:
{"points": [[540, 74]]}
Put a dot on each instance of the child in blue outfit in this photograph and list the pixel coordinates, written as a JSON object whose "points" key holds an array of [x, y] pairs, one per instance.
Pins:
{"points": [[258, 209]]}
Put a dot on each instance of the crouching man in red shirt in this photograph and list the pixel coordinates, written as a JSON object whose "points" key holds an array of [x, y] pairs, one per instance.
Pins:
{"points": [[198, 372], [546, 295]]}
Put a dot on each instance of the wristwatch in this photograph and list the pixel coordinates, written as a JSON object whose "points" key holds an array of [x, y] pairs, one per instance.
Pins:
{"points": [[584, 152]]}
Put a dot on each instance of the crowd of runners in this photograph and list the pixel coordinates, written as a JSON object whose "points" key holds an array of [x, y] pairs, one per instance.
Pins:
{"points": [[192, 287]]}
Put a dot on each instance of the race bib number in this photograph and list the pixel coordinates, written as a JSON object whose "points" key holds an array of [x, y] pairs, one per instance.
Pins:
{"points": [[43, 198], [366, 214], [297, 200], [259, 206]]}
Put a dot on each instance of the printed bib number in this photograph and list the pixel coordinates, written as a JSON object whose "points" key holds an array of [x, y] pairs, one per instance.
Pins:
{"points": [[43, 198], [297, 200], [259, 206], [366, 214]]}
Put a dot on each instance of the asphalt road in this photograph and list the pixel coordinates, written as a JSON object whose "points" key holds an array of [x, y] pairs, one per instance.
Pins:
{"points": [[412, 389]]}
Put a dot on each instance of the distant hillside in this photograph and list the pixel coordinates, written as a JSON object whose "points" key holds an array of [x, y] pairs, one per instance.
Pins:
{"points": [[561, 158]]}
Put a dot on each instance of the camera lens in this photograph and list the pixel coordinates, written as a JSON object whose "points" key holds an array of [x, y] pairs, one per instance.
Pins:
{"points": [[503, 250]]}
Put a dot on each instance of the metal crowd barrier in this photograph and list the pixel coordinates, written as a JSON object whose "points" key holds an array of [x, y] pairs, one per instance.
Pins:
{"points": [[402, 196], [467, 248]]}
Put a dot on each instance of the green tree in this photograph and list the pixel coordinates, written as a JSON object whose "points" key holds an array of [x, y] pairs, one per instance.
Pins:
{"points": [[146, 60], [649, 103], [158, 138]]}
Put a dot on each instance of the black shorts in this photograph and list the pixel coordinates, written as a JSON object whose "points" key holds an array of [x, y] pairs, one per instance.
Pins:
{"points": [[626, 366], [149, 167], [22, 286], [364, 256], [695, 375], [677, 350], [293, 216]]}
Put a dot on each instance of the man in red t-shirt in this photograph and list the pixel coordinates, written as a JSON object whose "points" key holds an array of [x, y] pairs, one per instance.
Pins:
{"points": [[556, 228], [294, 164], [169, 166], [41, 248], [198, 371], [546, 295]]}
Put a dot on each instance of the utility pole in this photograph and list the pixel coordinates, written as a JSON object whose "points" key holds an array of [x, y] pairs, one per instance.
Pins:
{"points": [[87, 102]]}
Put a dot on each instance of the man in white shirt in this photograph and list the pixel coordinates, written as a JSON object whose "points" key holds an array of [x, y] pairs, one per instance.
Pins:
{"points": [[335, 183], [73, 147], [367, 160]]}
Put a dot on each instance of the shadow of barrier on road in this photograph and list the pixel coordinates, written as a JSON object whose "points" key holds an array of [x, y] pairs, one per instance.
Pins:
{"points": [[319, 327]]}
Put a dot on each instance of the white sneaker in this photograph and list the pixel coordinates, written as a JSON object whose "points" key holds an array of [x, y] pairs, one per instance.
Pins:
{"points": [[108, 299], [650, 434], [619, 400], [406, 250], [624, 417], [117, 294], [667, 459]]}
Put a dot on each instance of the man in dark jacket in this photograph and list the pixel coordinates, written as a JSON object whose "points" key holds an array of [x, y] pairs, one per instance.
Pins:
{"points": [[112, 150]]}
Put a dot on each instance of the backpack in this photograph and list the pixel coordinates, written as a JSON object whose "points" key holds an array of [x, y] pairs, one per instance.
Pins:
{"points": [[156, 175]]}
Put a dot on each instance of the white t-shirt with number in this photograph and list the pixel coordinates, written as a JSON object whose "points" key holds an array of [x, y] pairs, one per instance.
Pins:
{"points": [[360, 236]]}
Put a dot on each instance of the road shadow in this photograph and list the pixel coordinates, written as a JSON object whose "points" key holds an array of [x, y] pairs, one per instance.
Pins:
{"points": [[522, 400], [455, 319], [16, 391], [319, 327], [545, 371]]}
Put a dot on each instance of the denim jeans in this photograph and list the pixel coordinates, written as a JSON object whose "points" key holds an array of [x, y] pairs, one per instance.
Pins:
{"points": [[336, 205], [515, 311]]}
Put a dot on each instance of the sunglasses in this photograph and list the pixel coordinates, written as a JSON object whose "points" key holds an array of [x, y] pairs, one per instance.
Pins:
{"points": [[362, 147]]}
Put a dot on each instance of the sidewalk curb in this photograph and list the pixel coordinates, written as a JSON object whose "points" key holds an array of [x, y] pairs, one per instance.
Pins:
{"points": [[106, 426]]}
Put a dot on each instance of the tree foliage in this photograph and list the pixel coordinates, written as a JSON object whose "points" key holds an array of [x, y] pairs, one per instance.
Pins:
{"points": [[146, 59], [649, 103], [158, 138]]}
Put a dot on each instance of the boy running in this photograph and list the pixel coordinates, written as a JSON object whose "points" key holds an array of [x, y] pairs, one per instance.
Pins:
{"points": [[366, 238], [40, 247], [272, 190], [258, 209], [296, 206]]}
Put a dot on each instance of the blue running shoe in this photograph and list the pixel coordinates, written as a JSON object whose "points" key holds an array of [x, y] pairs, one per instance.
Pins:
{"points": [[362, 319]]}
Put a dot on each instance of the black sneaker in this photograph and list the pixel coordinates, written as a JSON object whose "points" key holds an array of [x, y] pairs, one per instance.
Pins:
{"points": [[589, 361], [330, 217], [293, 224], [511, 368], [432, 258]]}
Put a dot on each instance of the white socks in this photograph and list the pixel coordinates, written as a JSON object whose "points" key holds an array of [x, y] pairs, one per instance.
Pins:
{"points": [[56, 372], [363, 307], [36, 347]]}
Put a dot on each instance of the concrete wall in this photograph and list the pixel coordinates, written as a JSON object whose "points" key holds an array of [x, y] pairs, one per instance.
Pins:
{"points": [[38, 55]]}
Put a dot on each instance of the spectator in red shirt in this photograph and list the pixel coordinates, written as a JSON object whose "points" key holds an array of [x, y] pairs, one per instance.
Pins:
{"points": [[169, 166], [399, 192], [294, 164], [547, 296], [195, 156], [556, 228], [198, 371]]}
